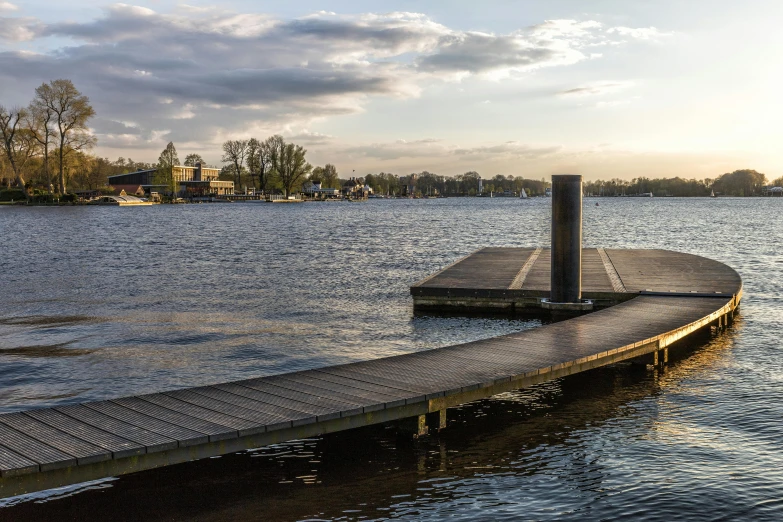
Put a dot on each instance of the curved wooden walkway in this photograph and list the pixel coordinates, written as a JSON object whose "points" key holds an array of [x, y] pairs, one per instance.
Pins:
{"points": [[45, 448], [516, 279]]}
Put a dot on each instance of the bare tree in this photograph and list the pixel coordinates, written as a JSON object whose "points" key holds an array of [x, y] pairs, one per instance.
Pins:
{"points": [[94, 173], [288, 162], [259, 161], [39, 123], [192, 159], [17, 143], [234, 152], [252, 159], [71, 112]]}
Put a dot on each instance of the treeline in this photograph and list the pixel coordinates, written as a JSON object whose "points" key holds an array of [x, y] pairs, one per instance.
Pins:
{"points": [[46, 139], [744, 182], [467, 184], [271, 163], [47, 145]]}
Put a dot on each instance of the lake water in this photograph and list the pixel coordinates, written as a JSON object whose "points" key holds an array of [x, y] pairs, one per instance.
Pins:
{"points": [[100, 302]]}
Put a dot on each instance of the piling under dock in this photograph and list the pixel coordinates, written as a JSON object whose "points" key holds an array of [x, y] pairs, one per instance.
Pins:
{"points": [[659, 297]]}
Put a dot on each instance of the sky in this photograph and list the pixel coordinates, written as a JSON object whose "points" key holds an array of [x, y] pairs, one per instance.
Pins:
{"points": [[606, 89]]}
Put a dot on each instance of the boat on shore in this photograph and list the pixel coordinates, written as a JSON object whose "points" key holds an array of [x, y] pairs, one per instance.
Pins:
{"points": [[121, 201]]}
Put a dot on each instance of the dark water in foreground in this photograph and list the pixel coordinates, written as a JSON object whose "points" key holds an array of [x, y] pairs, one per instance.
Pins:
{"points": [[102, 302]]}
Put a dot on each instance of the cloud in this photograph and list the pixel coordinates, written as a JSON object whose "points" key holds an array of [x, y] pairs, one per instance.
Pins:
{"points": [[8, 6], [421, 148], [594, 89], [206, 73], [433, 147], [307, 137], [510, 149], [19, 29], [641, 33]]}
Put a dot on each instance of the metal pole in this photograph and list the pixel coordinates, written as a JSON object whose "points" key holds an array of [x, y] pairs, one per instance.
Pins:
{"points": [[566, 239]]}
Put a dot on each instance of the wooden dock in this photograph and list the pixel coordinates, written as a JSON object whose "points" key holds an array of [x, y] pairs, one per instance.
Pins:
{"points": [[659, 297], [516, 279]]}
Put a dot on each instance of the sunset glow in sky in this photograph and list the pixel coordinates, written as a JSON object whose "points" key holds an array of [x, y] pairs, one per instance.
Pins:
{"points": [[622, 89]]}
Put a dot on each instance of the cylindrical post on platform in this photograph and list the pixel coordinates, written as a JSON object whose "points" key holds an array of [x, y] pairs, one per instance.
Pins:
{"points": [[566, 239]]}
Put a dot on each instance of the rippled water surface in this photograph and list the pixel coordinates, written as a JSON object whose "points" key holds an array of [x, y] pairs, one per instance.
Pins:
{"points": [[100, 302]]}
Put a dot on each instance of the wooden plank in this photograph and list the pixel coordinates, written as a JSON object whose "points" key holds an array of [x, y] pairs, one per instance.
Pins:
{"points": [[150, 440], [215, 431], [268, 409], [44, 455], [118, 446], [538, 277], [308, 384], [246, 421], [310, 411], [487, 268], [85, 452], [611, 271], [13, 464], [352, 371], [594, 275], [519, 279], [329, 406], [663, 270], [394, 393], [184, 436]]}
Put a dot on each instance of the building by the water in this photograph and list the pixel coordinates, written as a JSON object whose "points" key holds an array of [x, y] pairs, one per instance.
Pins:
{"points": [[313, 189], [191, 181]]}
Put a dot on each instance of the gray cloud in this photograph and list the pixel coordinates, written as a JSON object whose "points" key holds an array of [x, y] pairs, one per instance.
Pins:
{"points": [[477, 53], [431, 147], [202, 75]]}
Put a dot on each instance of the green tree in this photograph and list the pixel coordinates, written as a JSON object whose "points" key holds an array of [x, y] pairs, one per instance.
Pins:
{"points": [[167, 160], [192, 159], [745, 182], [329, 177]]}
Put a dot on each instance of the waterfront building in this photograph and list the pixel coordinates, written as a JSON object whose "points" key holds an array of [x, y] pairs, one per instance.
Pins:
{"points": [[134, 190], [313, 189], [356, 189], [191, 181]]}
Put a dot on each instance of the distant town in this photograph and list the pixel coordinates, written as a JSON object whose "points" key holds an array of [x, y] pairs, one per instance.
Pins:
{"points": [[47, 159]]}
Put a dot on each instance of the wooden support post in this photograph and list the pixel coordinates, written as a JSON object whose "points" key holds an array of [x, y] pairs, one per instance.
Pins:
{"points": [[655, 358], [437, 418], [421, 430], [412, 427], [665, 356]]}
